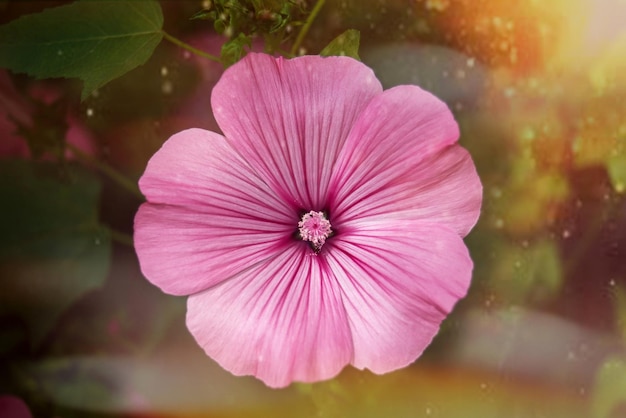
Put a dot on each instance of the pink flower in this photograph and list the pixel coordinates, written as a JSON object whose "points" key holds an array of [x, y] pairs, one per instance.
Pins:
{"points": [[323, 229]]}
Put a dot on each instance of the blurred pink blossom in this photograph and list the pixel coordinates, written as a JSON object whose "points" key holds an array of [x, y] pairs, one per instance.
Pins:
{"points": [[13, 407], [323, 229], [18, 109]]}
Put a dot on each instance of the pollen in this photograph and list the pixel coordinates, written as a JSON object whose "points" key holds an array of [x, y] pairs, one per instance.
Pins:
{"points": [[315, 228]]}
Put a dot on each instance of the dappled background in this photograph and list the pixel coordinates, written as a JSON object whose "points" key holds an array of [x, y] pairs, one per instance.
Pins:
{"points": [[539, 91]]}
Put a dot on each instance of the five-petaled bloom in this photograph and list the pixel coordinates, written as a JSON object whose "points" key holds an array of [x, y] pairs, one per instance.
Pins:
{"points": [[323, 229]]}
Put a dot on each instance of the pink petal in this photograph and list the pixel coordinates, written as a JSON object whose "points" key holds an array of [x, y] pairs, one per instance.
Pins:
{"points": [[282, 320], [208, 217], [399, 281], [290, 118], [400, 161]]}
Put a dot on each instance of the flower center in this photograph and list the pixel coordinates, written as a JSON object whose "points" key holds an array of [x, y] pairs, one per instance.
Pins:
{"points": [[315, 228]]}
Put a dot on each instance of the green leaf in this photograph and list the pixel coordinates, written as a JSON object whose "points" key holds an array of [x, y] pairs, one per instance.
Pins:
{"points": [[610, 389], [233, 50], [53, 250], [346, 44], [94, 41]]}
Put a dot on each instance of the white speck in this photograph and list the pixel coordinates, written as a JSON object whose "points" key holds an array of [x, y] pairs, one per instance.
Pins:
{"points": [[566, 234], [612, 282], [471, 62], [499, 223], [164, 71], [89, 112]]}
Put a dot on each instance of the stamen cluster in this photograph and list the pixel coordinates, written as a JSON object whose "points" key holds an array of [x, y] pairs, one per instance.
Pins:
{"points": [[314, 227]]}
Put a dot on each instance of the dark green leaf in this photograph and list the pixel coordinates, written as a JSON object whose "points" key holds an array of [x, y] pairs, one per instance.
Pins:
{"points": [[94, 41], [346, 44], [53, 250]]}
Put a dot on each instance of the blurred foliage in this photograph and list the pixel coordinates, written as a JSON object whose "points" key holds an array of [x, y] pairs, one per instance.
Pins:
{"points": [[47, 133], [620, 312], [428, 392], [53, 249], [616, 166], [526, 274], [609, 395], [93, 41]]}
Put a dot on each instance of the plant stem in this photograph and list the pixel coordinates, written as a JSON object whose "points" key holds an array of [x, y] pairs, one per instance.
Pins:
{"points": [[121, 237], [189, 48], [113, 174], [307, 26]]}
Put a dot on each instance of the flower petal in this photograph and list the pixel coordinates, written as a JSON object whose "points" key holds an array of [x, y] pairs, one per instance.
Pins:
{"points": [[401, 161], [444, 188], [208, 217], [290, 118], [280, 321], [399, 281]]}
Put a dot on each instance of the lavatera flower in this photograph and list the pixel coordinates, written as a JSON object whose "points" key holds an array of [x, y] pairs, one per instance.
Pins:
{"points": [[324, 228]]}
